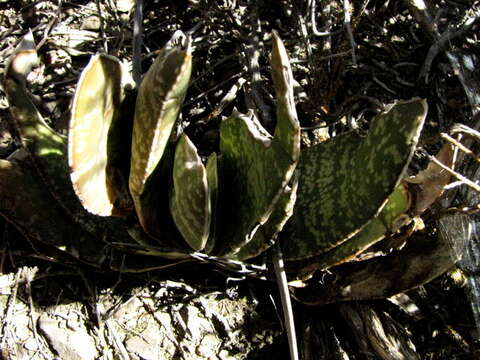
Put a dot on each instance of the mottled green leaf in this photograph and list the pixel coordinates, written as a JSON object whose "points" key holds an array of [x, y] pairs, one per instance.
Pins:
{"points": [[97, 178], [345, 182], [267, 234], [190, 201], [159, 100], [25, 202], [145, 245], [47, 148], [256, 167], [42, 142], [392, 216], [212, 179]]}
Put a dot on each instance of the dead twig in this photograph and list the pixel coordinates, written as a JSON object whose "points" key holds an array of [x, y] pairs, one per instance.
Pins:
{"points": [[420, 11], [213, 88], [458, 176], [51, 24], [117, 342], [460, 128], [210, 69], [313, 22], [286, 301], [226, 100], [251, 57], [459, 145], [9, 309], [347, 11], [102, 27], [137, 42]]}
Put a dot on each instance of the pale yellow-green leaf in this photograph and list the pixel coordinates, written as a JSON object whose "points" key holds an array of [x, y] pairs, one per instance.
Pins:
{"points": [[96, 108]]}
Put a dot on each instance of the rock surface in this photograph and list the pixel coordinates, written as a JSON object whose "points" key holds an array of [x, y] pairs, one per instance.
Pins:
{"points": [[146, 325]]}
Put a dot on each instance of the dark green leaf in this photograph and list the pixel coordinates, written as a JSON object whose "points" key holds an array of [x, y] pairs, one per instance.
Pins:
{"points": [[345, 182]]}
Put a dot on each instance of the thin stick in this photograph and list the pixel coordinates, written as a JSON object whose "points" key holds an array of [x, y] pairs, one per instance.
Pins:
{"points": [[210, 69], [251, 56], [460, 146], [117, 342], [215, 87], [337, 55], [226, 100], [348, 26], [460, 177], [51, 24], [286, 301], [102, 27], [461, 128], [137, 42], [328, 26]]}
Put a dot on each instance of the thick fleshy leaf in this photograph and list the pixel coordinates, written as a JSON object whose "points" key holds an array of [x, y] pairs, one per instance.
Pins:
{"points": [[98, 181], [212, 179], [159, 100], [421, 260], [430, 184], [47, 148], [26, 204], [288, 129], [190, 203], [42, 142], [267, 234], [145, 245], [256, 168], [35, 213], [345, 182], [392, 216]]}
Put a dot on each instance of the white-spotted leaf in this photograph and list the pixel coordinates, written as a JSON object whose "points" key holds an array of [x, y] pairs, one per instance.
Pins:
{"points": [[98, 182], [190, 202], [345, 182], [257, 167], [159, 100]]}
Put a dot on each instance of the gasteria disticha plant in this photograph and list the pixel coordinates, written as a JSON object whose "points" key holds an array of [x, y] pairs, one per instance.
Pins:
{"points": [[142, 188]]}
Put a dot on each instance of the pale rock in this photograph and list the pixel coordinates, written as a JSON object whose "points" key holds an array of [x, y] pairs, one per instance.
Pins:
{"points": [[69, 345]]}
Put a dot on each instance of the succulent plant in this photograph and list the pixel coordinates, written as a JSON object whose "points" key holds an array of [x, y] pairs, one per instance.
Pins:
{"points": [[145, 190]]}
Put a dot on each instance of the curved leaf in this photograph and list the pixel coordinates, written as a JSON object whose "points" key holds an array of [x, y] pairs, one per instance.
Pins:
{"points": [[99, 183], [212, 179], [190, 201], [25, 203], [256, 167], [47, 148], [392, 216], [159, 100], [267, 234], [288, 129], [345, 182], [41, 141]]}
